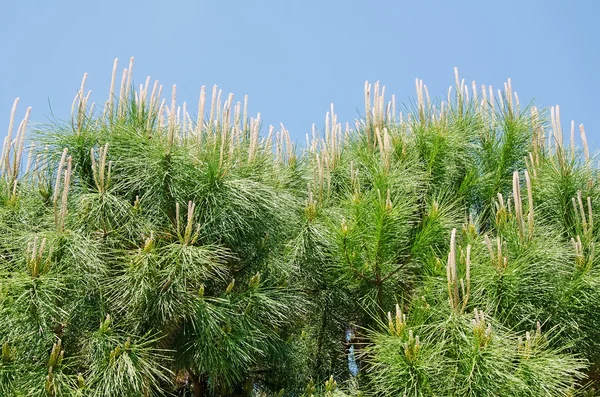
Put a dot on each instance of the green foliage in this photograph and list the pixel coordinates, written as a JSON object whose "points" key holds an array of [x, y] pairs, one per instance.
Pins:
{"points": [[446, 252]]}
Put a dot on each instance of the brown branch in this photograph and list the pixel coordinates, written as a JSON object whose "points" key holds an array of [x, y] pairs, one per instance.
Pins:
{"points": [[390, 274]]}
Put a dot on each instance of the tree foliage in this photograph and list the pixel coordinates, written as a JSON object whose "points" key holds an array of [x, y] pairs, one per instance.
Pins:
{"points": [[445, 250]]}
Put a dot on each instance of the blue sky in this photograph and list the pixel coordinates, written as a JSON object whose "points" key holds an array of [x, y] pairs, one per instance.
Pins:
{"points": [[293, 58]]}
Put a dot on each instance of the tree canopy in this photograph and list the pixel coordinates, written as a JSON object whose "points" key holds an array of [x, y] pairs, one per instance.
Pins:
{"points": [[440, 248]]}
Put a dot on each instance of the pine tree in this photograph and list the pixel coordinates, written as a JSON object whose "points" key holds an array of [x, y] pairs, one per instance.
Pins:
{"points": [[450, 246]]}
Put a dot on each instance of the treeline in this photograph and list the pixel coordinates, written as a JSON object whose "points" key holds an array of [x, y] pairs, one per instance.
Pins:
{"points": [[446, 248]]}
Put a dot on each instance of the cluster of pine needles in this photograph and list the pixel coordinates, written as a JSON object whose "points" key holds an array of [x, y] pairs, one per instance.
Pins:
{"points": [[444, 248]]}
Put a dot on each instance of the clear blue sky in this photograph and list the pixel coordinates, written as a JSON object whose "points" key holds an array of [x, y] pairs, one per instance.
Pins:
{"points": [[293, 58]]}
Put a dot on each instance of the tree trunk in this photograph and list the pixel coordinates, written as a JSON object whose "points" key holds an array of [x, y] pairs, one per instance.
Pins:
{"points": [[200, 384]]}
